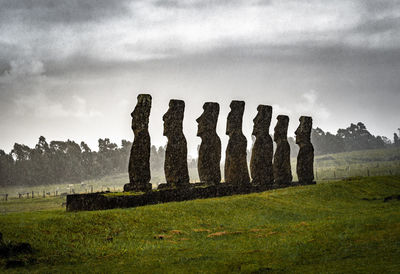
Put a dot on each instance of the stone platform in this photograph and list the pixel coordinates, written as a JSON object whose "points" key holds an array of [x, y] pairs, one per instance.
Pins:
{"points": [[108, 200]]}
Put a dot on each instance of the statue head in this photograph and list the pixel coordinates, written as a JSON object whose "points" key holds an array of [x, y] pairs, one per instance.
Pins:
{"points": [[262, 121], [173, 118], [303, 132], [207, 122], [235, 117], [281, 128], [141, 113]]}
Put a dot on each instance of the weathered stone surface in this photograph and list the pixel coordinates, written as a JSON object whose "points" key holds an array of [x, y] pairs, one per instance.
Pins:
{"points": [[175, 165], [139, 161], [236, 171], [305, 158], [101, 201], [262, 153], [210, 148], [281, 165]]}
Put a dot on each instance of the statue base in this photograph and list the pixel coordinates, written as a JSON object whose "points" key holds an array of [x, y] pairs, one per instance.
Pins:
{"points": [[107, 200], [172, 186], [137, 188]]}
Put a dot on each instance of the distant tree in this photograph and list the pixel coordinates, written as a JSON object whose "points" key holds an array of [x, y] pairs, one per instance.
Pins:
{"points": [[294, 148], [23, 167], [107, 157], [20, 152], [124, 153], [378, 143], [41, 162], [161, 155], [325, 143], [155, 159], [86, 148], [386, 141], [105, 145], [396, 140], [6, 168], [357, 137]]}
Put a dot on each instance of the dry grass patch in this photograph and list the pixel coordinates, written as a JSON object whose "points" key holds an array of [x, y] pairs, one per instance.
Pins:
{"points": [[201, 230], [222, 233]]}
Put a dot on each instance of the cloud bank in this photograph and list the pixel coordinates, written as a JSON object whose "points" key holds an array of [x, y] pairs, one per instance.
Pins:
{"points": [[73, 68]]}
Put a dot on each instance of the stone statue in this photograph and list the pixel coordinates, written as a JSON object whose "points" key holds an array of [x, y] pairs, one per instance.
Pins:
{"points": [[139, 161], [236, 171], [210, 149], [281, 166], [262, 153], [305, 158], [175, 165]]}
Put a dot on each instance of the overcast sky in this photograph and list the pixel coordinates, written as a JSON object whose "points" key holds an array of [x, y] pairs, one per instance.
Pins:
{"points": [[73, 69]]}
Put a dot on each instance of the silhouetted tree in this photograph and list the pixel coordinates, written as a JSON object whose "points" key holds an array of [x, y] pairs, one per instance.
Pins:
{"points": [[396, 140]]}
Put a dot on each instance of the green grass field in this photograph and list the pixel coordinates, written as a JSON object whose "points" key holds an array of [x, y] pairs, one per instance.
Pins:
{"points": [[332, 227], [375, 162]]}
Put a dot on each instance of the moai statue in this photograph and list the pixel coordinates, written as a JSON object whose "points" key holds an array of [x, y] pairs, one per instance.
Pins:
{"points": [[262, 153], [139, 161], [305, 158], [281, 166], [236, 171], [210, 149], [175, 165]]}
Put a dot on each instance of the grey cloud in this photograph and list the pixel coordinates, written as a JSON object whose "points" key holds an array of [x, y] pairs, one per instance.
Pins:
{"points": [[379, 25], [373, 6], [8, 52], [202, 4], [378, 17], [61, 12], [187, 4], [305, 54]]}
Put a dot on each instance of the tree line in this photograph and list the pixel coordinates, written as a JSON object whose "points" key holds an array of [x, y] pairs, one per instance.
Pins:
{"points": [[355, 137], [67, 161]]}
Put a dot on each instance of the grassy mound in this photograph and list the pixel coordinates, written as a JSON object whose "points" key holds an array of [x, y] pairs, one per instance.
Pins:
{"points": [[338, 227]]}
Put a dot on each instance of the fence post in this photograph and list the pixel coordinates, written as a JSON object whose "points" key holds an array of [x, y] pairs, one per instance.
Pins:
{"points": [[27, 195], [334, 174], [316, 175], [91, 189], [44, 194], [33, 194], [367, 171], [6, 196], [56, 192]]}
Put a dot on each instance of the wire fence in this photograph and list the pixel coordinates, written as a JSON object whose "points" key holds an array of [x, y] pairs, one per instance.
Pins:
{"points": [[326, 174], [320, 174], [32, 194]]}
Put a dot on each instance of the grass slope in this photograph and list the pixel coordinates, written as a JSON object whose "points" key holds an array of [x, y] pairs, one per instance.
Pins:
{"points": [[330, 227]]}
